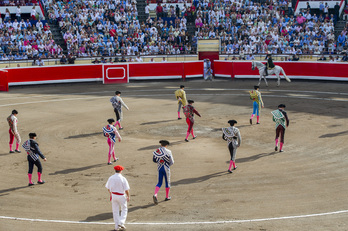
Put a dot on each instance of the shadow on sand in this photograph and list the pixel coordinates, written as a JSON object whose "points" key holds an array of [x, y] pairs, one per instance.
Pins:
{"points": [[156, 122], [198, 179], [255, 157], [71, 170], [12, 189], [154, 147], [84, 135], [330, 135]]}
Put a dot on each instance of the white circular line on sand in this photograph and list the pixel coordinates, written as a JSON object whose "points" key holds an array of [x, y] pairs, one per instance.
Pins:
{"points": [[180, 223], [184, 223], [152, 95]]}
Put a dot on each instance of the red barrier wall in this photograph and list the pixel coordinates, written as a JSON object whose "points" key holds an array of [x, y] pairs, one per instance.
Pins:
{"points": [[3, 80], [295, 70], [54, 74], [170, 70]]}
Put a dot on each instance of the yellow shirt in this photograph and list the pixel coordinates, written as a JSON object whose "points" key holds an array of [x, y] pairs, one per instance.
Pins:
{"points": [[181, 96]]}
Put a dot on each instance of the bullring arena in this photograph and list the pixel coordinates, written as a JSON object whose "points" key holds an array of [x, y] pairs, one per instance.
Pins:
{"points": [[303, 188]]}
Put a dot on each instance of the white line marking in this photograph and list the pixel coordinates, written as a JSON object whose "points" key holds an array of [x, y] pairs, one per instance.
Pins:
{"points": [[152, 95], [179, 223]]}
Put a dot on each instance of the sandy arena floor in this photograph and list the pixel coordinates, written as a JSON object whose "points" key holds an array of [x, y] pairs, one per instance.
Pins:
{"points": [[303, 188]]}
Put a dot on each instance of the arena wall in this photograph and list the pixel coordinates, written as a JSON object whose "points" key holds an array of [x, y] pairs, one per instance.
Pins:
{"points": [[123, 72]]}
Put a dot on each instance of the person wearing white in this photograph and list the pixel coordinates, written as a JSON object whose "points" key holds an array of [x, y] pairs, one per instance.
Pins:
{"points": [[118, 188], [138, 59]]}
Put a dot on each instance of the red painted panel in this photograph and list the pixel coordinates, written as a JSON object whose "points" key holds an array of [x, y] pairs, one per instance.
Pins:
{"points": [[3, 80], [193, 68], [29, 74], [156, 69], [115, 73]]}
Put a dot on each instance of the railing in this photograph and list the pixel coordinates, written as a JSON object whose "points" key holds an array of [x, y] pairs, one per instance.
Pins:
{"points": [[159, 58]]}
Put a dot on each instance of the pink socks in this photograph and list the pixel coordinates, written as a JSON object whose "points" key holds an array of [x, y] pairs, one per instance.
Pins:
{"points": [[252, 116], [187, 135], [167, 192], [281, 146], [234, 164], [193, 135], [178, 114], [39, 177], [229, 168], [30, 176], [276, 142], [156, 190], [258, 119], [118, 123], [11, 147]]}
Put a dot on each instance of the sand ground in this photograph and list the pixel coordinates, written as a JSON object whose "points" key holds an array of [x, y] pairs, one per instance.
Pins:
{"points": [[310, 177]]}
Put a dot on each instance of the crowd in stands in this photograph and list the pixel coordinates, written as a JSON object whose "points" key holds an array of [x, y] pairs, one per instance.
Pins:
{"points": [[111, 28], [106, 28], [27, 39], [246, 27]]}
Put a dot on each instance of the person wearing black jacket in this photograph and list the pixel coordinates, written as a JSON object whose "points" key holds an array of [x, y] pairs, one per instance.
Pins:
{"points": [[33, 151]]}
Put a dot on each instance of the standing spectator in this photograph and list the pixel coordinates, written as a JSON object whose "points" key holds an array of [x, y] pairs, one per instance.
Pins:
{"points": [[7, 15], [159, 10], [33, 13], [147, 10], [337, 11], [18, 13], [118, 188]]}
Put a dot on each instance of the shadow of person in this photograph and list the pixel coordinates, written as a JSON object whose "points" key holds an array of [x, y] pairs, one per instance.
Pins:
{"points": [[253, 158], [135, 208], [156, 122], [99, 217], [330, 135], [84, 135], [71, 170], [12, 189], [154, 147], [198, 179], [5, 154]]}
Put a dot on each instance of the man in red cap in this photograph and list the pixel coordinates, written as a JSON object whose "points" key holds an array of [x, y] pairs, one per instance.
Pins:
{"points": [[119, 196]]}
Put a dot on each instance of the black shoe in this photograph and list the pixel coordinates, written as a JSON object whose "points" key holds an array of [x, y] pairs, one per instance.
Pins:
{"points": [[257, 123], [276, 148], [194, 137], [116, 160], [230, 171], [18, 151], [12, 151], [109, 163], [251, 121], [281, 150], [155, 200], [168, 199], [120, 129], [31, 184], [41, 182], [179, 118], [186, 140], [235, 168]]}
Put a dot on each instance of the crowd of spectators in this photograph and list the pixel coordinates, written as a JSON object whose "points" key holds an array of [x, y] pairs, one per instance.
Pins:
{"points": [[111, 28], [27, 39], [247, 27]]}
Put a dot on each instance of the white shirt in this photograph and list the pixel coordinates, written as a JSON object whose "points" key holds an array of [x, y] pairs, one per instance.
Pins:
{"points": [[117, 183]]}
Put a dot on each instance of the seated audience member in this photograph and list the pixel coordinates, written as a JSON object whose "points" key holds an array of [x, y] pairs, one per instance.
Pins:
{"points": [[63, 60]]}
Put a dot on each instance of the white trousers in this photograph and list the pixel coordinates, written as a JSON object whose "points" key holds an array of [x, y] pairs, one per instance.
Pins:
{"points": [[119, 202]]}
